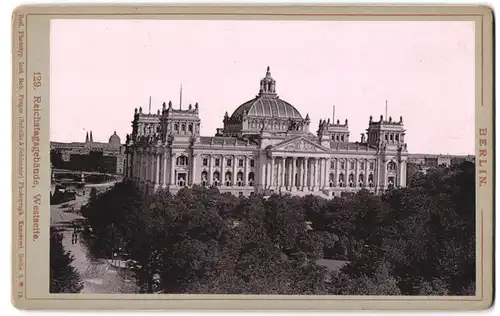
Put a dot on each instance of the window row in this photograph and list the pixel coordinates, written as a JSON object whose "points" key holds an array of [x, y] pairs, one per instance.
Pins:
{"points": [[227, 180], [338, 138], [350, 183], [190, 127], [352, 165], [229, 162], [184, 161]]}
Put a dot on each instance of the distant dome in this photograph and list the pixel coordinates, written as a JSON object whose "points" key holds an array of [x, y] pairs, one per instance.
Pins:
{"points": [[114, 140]]}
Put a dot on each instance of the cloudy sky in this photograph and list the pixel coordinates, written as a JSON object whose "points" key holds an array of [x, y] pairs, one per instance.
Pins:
{"points": [[102, 69]]}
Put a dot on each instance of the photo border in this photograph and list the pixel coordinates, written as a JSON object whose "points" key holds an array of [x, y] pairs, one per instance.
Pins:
{"points": [[31, 52]]}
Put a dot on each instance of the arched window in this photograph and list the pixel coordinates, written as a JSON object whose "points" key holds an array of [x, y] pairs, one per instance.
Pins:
{"points": [[332, 180], [182, 161], [370, 180], [361, 180], [351, 180], [239, 179], [204, 178], [251, 178], [341, 180], [391, 166], [227, 179], [216, 178]]}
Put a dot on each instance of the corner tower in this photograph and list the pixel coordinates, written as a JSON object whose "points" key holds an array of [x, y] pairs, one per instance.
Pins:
{"points": [[388, 137]]}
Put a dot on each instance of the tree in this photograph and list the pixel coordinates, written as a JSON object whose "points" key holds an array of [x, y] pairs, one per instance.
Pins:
{"points": [[63, 276]]}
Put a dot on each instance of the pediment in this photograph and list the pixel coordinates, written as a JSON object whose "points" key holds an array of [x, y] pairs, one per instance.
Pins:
{"points": [[300, 144]]}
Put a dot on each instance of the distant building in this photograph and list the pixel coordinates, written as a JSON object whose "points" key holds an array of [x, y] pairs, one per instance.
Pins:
{"points": [[265, 146], [424, 162], [432, 160], [89, 155]]}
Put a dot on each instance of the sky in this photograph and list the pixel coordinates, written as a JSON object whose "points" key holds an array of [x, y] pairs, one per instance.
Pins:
{"points": [[101, 70]]}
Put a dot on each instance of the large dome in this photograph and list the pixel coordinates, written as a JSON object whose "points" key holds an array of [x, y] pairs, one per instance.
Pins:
{"points": [[263, 106], [267, 103], [114, 140]]}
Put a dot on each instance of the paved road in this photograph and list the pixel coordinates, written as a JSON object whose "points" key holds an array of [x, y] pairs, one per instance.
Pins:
{"points": [[97, 275]]}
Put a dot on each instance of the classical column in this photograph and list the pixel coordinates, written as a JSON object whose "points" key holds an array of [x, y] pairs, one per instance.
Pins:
{"points": [[234, 171], [356, 172], [172, 169], [193, 169], [326, 178], [245, 173], [319, 172], [134, 164], [210, 171], [152, 171], [164, 172], [293, 183], [315, 174], [263, 168], [139, 165], [222, 176], [282, 174], [300, 172], [146, 166], [336, 177], [367, 163], [271, 180], [157, 171], [143, 166], [290, 171], [307, 172]]}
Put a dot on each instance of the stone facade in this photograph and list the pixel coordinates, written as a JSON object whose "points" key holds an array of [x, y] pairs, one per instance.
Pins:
{"points": [[265, 146]]}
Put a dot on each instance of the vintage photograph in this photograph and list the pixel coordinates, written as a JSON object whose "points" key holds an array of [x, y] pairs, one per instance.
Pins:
{"points": [[263, 157]]}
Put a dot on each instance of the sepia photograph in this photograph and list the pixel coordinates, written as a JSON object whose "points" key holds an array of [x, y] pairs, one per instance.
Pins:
{"points": [[262, 157]]}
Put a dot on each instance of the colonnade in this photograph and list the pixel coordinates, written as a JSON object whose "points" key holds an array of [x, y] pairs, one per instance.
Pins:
{"points": [[294, 173]]}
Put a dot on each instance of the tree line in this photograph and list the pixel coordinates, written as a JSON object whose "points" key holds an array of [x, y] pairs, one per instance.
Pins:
{"points": [[418, 240]]}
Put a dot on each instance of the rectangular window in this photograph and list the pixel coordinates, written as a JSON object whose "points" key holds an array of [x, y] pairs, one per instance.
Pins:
{"points": [[252, 163], [240, 163], [205, 161], [362, 165], [342, 165], [217, 162], [229, 161], [372, 165], [332, 164], [352, 164]]}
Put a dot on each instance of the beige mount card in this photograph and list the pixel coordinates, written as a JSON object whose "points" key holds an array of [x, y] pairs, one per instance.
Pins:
{"points": [[281, 157]]}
